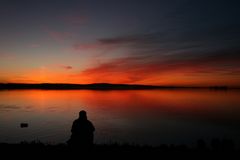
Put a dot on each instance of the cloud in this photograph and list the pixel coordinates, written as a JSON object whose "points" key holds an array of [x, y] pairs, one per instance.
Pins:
{"points": [[164, 47], [66, 67], [122, 70], [114, 71], [150, 69], [137, 39], [203, 55], [171, 44], [57, 36]]}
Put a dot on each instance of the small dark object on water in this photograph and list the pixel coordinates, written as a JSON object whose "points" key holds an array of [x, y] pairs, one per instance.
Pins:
{"points": [[24, 125]]}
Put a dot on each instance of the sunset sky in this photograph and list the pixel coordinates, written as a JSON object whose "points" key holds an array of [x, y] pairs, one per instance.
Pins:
{"points": [[157, 42]]}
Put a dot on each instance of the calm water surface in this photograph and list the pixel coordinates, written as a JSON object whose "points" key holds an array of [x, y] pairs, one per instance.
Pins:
{"points": [[144, 117]]}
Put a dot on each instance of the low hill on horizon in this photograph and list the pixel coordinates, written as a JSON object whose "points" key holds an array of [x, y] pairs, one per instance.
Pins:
{"points": [[97, 86]]}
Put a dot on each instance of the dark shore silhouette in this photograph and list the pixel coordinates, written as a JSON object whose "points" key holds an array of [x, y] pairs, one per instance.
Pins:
{"points": [[100, 86], [215, 148], [81, 143]]}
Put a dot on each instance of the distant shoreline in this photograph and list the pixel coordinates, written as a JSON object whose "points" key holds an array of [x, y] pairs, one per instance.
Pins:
{"points": [[100, 86]]}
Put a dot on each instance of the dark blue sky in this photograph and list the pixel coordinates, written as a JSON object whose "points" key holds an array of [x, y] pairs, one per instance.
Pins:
{"points": [[139, 41]]}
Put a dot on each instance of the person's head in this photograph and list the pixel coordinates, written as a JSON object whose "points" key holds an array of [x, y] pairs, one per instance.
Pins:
{"points": [[83, 114]]}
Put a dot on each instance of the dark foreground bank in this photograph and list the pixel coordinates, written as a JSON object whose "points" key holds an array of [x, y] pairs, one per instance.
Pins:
{"points": [[217, 148]]}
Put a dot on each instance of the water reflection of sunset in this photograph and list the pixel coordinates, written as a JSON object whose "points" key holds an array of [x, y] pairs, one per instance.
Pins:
{"points": [[119, 115], [169, 100]]}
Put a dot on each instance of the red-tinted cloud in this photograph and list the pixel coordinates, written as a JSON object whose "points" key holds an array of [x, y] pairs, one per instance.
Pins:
{"points": [[150, 70], [58, 36], [66, 67]]}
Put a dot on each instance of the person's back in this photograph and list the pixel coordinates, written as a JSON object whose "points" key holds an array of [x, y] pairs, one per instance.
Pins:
{"points": [[82, 131]]}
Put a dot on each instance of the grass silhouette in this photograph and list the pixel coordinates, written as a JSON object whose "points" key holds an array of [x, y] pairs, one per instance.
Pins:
{"points": [[217, 147]]}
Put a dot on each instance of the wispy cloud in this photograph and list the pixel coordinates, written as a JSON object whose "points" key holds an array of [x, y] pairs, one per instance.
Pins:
{"points": [[129, 39], [140, 69], [67, 67], [166, 47], [57, 36], [164, 54]]}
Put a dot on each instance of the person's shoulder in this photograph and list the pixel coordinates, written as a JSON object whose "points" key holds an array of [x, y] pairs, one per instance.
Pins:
{"points": [[89, 122], [76, 121]]}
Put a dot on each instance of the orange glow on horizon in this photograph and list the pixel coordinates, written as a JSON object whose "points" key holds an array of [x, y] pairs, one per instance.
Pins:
{"points": [[125, 78], [131, 75]]}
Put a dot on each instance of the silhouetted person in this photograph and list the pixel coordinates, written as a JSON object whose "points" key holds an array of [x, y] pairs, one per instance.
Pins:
{"points": [[82, 132]]}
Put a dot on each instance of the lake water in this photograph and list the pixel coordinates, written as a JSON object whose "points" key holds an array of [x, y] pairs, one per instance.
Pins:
{"points": [[138, 116]]}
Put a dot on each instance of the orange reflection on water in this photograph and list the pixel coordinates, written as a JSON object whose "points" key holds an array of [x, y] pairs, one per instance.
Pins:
{"points": [[169, 100], [116, 114]]}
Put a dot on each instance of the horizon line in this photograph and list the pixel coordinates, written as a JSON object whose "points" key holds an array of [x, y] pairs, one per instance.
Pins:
{"points": [[126, 85]]}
